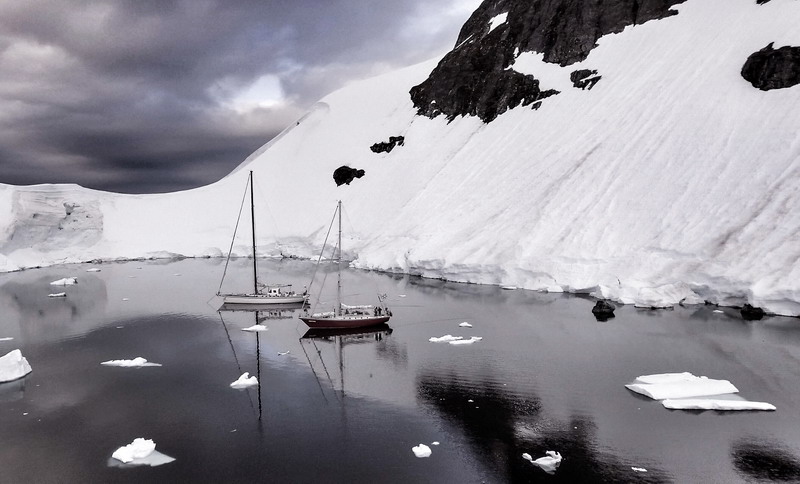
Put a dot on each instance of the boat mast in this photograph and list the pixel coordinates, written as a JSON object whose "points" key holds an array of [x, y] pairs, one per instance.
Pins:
{"points": [[339, 271], [253, 227]]}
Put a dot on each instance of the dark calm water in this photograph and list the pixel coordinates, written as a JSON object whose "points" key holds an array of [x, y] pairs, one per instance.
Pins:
{"points": [[545, 376]]}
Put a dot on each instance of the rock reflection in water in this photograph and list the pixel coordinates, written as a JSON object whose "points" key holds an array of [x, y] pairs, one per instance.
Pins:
{"points": [[765, 461], [501, 427]]}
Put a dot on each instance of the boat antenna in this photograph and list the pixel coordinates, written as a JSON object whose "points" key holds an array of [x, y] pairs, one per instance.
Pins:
{"points": [[253, 226]]}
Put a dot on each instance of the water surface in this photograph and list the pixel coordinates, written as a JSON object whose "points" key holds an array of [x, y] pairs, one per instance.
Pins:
{"points": [[349, 408]]}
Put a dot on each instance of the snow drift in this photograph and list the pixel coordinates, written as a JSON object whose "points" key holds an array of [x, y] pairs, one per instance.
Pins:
{"points": [[671, 180]]}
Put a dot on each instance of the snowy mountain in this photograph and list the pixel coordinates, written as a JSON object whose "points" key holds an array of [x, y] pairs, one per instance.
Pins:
{"points": [[625, 152]]}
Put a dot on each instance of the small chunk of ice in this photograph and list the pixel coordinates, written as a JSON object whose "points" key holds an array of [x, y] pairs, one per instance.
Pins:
{"points": [[509, 288], [435, 442], [256, 328], [445, 339], [93, 269], [465, 325], [245, 381], [138, 449], [283, 353], [6, 339], [58, 294], [421, 450], [67, 281], [715, 404], [13, 366], [137, 362], [549, 463], [638, 469], [466, 341]]}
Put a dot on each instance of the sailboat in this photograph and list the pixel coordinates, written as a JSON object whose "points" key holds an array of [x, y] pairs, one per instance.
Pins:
{"points": [[344, 316], [263, 294]]}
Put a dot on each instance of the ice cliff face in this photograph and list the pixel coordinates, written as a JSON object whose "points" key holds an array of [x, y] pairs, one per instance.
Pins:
{"points": [[654, 170]]}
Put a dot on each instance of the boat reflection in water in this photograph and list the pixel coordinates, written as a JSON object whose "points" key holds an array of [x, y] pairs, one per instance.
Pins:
{"points": [[338, 338]]}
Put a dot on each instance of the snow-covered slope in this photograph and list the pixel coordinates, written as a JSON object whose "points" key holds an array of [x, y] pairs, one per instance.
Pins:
{"points": [[673, 177]]}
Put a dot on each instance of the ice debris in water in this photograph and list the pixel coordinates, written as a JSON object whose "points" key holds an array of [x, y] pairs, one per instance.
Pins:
{"points": [[93, 269], [639, 469], [421, 450], [6, 339], [445, 339], [67, 281], [138, 449], [137, 362], [715, 404], [679, 385], [465, 325], [549, 463], [245, 381], [283, 353], [58, 294], [13, 366], [435, 442], [466, 341], [256, 328]]}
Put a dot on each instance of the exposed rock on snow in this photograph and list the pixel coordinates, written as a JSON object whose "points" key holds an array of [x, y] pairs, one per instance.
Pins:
{"points": [[386, 147], [584, 78], [13, 366], [344, 175], [245, 381], [603, 310], [67, 281], [771, 68], [421, 450], [137, 362], [751, 313]]}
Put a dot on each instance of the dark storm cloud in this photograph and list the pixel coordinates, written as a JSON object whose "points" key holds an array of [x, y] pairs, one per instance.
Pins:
{"points": [[133, 96]]}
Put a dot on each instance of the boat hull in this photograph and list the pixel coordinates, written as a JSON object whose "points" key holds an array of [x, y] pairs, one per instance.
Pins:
{"points": [[260, 299], [343, 322]]}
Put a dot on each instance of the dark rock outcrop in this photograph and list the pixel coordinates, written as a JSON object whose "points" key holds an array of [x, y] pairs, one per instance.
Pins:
{"points": [[603, 310], [344, 175], [751, 313], [584, 78], [473, 78], [386, 147], [773, 68]]}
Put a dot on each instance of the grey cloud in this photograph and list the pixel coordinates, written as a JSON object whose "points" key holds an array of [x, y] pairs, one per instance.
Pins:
{"points": [[122, 95]]}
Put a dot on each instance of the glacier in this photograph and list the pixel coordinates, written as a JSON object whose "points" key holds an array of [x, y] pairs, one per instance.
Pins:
{"points": [[671, 181]]}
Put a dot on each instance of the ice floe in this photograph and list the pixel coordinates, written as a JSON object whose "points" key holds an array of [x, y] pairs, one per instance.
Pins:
{"points": [[139, 452], [466, 341], [549, 463], [6, 339], [678, 391], [67, 281], [679, 385], [421, 450], [465, 325], [715, 404], [137, 362], [58, 294], [13, 366], [638, 469], [445, 339], [256, 328], [245, 381]]}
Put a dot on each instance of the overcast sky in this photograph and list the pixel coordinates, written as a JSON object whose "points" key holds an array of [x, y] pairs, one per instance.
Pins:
{"points": [[143, 96]]}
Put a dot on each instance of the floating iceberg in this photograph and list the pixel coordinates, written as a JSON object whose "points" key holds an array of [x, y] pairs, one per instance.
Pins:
{"points": [[679, 385], [466, 341], [421, 450], [67, 281], [13, 366], [245, 381], [549, 463], [138, 449], [137, 362], [715, 404], [137, 453], [256, 328], [445, 339], [465, 325]]}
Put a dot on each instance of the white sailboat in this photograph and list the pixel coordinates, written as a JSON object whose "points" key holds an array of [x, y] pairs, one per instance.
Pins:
{"points": [[263, 294], [344, 316]]}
